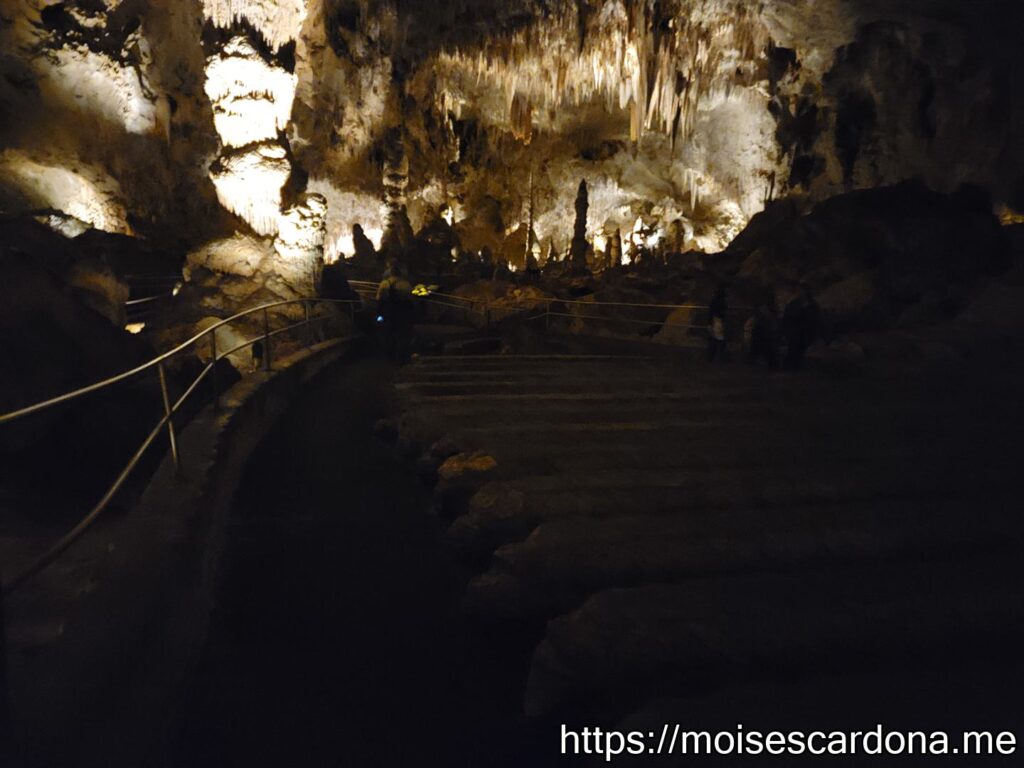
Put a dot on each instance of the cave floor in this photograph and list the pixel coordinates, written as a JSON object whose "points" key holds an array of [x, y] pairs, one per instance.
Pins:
{"points": [[338, 637], [342, 636]]}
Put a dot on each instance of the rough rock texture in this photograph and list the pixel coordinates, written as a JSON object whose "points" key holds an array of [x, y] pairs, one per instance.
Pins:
{"points": [[55, 297], [678, 528], [300, 244], [251, 98], [113, 112], [876, 258], [249, 183], [268, 139]]}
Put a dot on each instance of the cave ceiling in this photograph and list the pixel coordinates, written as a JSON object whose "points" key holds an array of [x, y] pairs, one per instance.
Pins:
{"points": [[198, 117]]}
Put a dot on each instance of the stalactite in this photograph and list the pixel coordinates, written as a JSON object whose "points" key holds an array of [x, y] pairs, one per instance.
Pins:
{"points": [[252, 98], [278, 21], [660, 67], [249, 182], [522, 118]]}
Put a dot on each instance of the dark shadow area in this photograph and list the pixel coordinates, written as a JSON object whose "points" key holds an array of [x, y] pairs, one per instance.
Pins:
{"points": [[339, 638]]}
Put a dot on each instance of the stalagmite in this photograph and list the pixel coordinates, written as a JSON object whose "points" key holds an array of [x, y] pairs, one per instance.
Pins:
{"points": [[615, 249], [579, 247], [398, 231]]}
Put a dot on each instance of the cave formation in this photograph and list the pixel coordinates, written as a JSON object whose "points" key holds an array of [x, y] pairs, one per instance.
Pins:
{"points": [[167, 164], [187, 125]]}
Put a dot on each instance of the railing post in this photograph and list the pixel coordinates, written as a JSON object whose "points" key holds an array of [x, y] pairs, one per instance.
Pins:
{"points": [[170, 417], [267, 364], [5, 697], [309, 325], [213, 369]]}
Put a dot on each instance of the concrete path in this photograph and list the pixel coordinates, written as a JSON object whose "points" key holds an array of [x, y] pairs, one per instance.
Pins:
{"points": [[339, 639], [682, 530]]}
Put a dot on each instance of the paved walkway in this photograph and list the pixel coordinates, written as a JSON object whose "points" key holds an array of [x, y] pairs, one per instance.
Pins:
{"points": [[339, 640], [659, 540], [686, 531]]}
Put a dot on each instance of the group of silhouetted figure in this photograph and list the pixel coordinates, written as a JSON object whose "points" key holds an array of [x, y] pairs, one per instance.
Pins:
{"points": [[766, 332], [396, 312]]}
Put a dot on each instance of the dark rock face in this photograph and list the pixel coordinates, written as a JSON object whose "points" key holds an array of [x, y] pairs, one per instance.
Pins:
{"points": [[929, 96], [52, 340], [56, 295], [874, 255]]}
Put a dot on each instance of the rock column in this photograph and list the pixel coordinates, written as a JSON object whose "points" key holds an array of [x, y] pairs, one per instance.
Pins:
{"points": [[252, 93], [579, 247]]}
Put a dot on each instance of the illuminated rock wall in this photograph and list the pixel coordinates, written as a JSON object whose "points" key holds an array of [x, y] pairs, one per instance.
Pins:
{"points": [[186, 120], [252, 95]]}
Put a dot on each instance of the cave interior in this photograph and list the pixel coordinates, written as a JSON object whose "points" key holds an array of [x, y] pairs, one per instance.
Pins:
{"points": [[617, 218]]}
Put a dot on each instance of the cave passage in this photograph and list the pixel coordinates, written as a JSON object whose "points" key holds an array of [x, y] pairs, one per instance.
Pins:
{"points": [[715, 414], [338, 637]]}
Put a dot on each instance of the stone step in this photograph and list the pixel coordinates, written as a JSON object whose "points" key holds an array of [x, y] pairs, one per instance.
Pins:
{"points": [[724, 448], [575, 411], [509, 388], [502, 513], [715, 449], [449, 361], [613, 378], [764, 424], [708, 633], [495, 406], [720, 431], [562, 561]]}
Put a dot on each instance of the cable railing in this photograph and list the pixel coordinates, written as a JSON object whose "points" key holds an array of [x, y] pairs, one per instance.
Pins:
{"points": [[488, 310], [158, 367], [491, 310]]}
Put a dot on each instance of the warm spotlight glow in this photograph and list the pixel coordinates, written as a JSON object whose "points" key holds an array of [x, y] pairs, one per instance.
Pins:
{"points": [[252, 99], [621, 60], [279, 21], [86, 194], [249, 184]]}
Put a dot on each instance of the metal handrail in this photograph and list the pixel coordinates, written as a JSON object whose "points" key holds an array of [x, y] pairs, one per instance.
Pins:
{"points": [[635, 321], [486, 308], [75, 394], [167, 421]]}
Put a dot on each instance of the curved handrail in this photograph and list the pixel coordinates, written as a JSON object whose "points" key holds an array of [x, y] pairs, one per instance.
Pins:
{"points": [[75, 394], [166, 422]]}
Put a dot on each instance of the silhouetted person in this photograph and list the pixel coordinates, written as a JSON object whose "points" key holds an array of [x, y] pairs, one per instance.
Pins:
{"points": [[800, 323], [716, 325], [532, 273], [334, 283], [763, 343], [396, 312], [257, 355]]}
